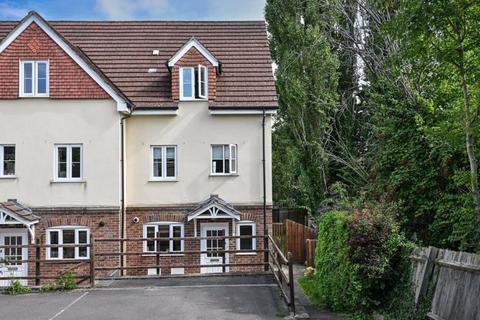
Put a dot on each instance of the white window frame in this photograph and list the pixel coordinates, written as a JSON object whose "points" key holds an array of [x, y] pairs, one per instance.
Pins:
{"points": [[254, 233], [2, 158], [205, 82], [232, 172], [195, 89], [164, 163], [60, 230], [35, 92], [182, 97], [69, 163], [170, 242]]}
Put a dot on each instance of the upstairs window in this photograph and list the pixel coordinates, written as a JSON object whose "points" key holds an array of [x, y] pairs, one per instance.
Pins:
{"points": [[224, 159], [34, 79], [68, 162], [164, 162], [7, 160], [194, 83]]}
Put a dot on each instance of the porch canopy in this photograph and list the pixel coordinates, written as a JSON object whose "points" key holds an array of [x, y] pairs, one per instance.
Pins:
{"points": [[213, 208], [14, 214]]}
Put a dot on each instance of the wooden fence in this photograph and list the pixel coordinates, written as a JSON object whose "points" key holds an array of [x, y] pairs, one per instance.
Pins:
{"points": [[296, 236], [454, 278], [311, 249]]}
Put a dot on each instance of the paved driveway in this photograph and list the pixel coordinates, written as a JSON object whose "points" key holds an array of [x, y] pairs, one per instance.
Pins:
{"points": [[178, 299]]}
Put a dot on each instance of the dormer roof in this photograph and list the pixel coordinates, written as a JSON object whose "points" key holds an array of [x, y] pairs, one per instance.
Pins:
{"points": [[193, 43]]}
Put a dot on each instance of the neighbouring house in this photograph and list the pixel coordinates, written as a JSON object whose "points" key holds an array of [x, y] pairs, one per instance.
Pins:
{"points": [[138, 129]]}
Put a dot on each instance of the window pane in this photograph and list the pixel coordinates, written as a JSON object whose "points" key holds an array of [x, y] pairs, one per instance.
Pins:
{"points": [[76, 162], [62, 162], [28, 77], [187, 83], [163, 232], [177, 233], [8, 160], [42, 77], [226, 149], [27, 85], [82, 239], [53, 240], [157, 162], [68, 238], [76, 154], [150, 234], [42, 70], [170, 162], [76, 172], [245, 243], [217, 152], [203, 81]]}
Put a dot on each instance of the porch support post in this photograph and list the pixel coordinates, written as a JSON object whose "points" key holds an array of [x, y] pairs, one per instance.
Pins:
{"points": [[195, 228], [234, 230]]}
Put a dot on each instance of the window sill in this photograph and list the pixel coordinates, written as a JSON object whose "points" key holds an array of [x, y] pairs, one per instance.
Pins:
{"points": [[193, 100], [246, 254], [162, 180], [224, 175], [68, 181], [8, 177], [146, 254], [34, 97]]}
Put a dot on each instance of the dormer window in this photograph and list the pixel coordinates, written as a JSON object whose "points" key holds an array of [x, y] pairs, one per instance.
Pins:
{"points": [[34, 79], [194, 83]]}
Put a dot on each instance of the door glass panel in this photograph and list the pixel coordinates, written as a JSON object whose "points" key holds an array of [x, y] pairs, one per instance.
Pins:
{"points": [[13, 254]]}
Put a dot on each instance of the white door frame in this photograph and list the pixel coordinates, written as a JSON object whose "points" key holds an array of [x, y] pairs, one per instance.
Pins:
{"points": [[24, 271], [204, 226]]}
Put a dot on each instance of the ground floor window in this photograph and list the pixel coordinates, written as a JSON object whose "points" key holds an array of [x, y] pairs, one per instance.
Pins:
{"points": [[245, 229], [163, 230], [68, 235]]}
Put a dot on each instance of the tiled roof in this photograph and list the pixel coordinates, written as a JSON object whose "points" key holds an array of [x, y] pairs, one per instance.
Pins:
{"points": [[123, 52], [19, 210]]}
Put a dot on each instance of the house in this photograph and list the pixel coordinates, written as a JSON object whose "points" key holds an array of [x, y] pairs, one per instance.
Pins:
{"points": [[135, 130]]}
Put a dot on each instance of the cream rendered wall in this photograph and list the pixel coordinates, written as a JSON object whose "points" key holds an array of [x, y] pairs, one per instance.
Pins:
{"points": [[193, 130], [35, 125]]}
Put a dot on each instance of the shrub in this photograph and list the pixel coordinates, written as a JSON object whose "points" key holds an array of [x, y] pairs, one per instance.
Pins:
{"points": [[67, 281], [17, 288], [48, 287], [360, 258]]}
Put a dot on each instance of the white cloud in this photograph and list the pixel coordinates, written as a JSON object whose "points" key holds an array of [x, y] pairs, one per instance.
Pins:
{"points": [[8, 11], [130, 9], [237, 9]]}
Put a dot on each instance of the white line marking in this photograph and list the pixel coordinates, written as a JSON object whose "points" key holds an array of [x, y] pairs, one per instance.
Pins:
{"points": [[183, 287], [68, 306]]}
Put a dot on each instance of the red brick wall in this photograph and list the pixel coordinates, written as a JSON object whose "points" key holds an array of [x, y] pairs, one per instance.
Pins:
{"points": [[67, 79], [192, 59], [93, 219], [145, 215]]}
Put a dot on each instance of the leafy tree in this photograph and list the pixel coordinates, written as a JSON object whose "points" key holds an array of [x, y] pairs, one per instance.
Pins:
{"points": [[307, 80]]}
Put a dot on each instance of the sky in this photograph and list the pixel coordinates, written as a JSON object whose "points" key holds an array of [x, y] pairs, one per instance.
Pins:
{"points": [[134, 9]]}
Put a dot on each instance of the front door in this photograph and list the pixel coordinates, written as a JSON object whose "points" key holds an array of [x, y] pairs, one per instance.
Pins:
{"points": [[214, 258], [8, 256]]}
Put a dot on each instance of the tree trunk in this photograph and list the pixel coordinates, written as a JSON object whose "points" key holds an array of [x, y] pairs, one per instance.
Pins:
{"points": [[469, 139]]}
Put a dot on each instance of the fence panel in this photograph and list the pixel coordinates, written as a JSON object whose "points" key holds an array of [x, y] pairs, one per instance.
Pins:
{"points": [[457, 290], [296, 235]]}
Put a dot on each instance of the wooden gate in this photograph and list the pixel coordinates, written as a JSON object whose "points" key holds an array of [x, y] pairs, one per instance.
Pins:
{"points": [[296, 236]]}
